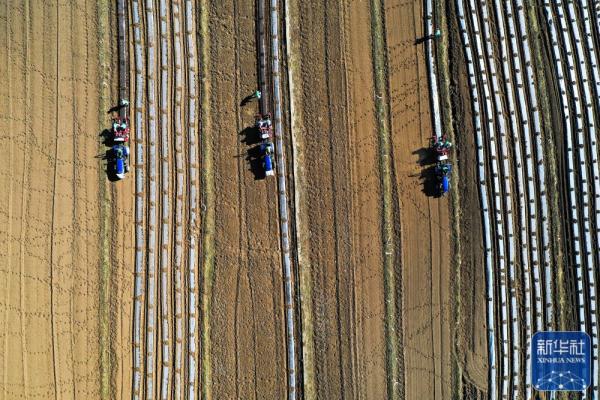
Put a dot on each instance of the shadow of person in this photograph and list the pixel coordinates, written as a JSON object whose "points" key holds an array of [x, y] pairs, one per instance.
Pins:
{"points": [[246, 100], [420, 40], [426, 156], [116, 108], [107, 137], [251, 135]]}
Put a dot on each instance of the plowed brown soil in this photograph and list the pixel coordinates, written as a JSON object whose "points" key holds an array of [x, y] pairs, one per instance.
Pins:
{"points": [[247, 354], [50, 205], [339, 202], [427, 305], [471, 340]]}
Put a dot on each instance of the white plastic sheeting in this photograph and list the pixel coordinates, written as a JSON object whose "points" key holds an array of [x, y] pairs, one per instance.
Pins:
{"points": [[432, 70], [180, 191], [140, 234], [586, 120], [489, 254], [564, 88], [501, 246], [192, 261], [165, 202], [151, 276], [518, 120], [521, 37], [283, 202], [592, 94]]}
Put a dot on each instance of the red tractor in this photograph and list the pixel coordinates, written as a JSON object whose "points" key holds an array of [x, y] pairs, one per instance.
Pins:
{"points": [[120, 129], [441, 146], [264, 125]]}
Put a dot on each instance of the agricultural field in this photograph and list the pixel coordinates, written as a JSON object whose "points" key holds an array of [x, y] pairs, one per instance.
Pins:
{"points": [[54, 204], [283, 228]]}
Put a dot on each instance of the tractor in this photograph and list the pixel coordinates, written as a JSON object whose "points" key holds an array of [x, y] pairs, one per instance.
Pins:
{"points": [[120, 130], [264, 125], [443, 171], [266, 150], [118, 161], [440, 146]]}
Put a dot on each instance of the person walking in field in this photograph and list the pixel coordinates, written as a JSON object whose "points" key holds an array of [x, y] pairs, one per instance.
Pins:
{"points": [[255, 95]]}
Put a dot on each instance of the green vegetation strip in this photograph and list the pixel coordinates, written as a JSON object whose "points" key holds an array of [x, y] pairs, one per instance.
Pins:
{"points": [[394, 382], [208, 219], [105, 201]]}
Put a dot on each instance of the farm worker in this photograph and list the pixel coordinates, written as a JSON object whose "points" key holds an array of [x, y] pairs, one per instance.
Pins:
{"points": [[124, 102], [257, 94], [437, 34], [124, 125]]}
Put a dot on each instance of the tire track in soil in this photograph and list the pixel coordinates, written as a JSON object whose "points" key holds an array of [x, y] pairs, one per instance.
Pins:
{"points": [[339, 174]]}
